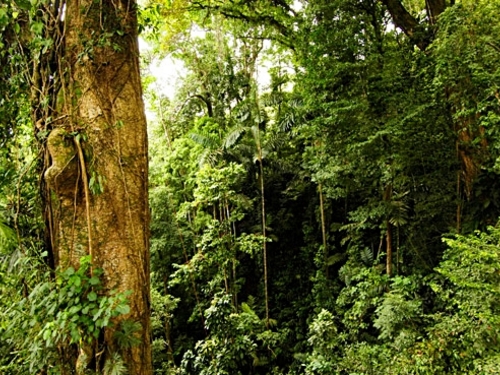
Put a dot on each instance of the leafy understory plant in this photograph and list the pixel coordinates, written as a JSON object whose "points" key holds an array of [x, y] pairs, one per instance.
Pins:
{"points": [[81, 310], [71, 311]]}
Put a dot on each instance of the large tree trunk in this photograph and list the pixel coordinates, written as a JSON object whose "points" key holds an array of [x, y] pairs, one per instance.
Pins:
{"points": [[98, 164]]}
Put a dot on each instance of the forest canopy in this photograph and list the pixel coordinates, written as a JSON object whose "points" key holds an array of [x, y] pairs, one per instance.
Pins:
{"points": [[318, 195]]}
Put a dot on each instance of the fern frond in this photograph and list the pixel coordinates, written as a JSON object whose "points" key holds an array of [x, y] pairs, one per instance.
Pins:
{"points": [[366, 256], [115, 365]]}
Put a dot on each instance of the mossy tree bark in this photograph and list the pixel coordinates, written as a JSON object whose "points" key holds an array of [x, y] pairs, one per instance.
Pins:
{"points": [[97, 157]]}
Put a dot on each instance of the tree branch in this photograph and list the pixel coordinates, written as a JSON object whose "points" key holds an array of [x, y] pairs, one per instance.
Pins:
{"points": [[401, 17], [434, 9], [406, 22], [411, 27], [284, 35]]}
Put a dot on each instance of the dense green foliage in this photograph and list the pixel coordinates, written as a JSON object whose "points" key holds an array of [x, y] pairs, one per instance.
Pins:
{"points": [[324, 196]]}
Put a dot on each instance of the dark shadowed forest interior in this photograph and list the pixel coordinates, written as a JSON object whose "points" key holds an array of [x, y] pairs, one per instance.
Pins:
{"points": [[250, 187]]}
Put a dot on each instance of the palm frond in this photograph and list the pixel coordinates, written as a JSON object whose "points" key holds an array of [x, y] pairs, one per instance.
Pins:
{"points": [[287, 122], [204, 140], [233, 137]]}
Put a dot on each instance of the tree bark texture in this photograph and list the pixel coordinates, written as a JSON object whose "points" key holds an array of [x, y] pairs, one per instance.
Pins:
{"points": [[401, 17], [409, 24], [98, 173], [434, 9]]}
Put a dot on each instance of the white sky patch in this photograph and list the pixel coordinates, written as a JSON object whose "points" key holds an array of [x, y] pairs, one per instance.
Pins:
{"points": [[168, 73], [197, 32], [263, 65], [297, 5]]}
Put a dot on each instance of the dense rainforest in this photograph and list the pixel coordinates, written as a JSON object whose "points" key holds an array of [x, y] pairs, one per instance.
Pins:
{"points": [[324, 187]]}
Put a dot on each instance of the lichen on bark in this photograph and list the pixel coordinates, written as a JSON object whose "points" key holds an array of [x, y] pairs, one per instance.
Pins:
{"points": [[62, 175]]}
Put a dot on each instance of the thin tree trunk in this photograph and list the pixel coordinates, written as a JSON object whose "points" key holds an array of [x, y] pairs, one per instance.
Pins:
{"points": [[459, 203], [388, 234], [232, 232], [264, 246], [168, 327], [397, 251], [388, 240], [323, 228], [263, 213]]}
